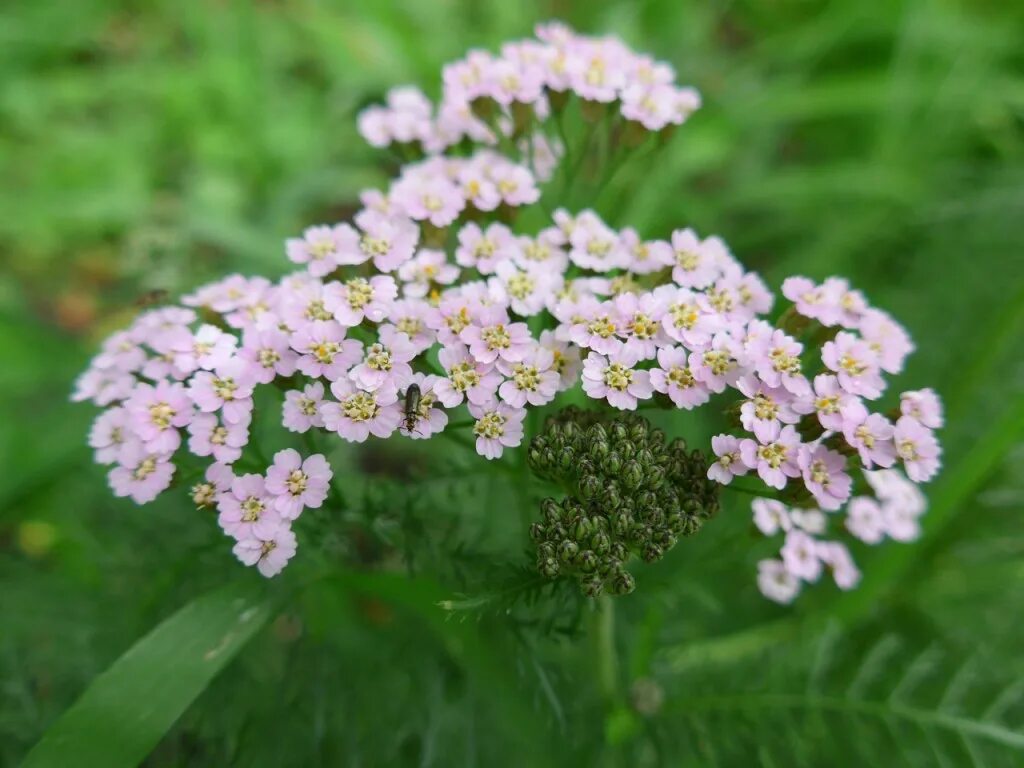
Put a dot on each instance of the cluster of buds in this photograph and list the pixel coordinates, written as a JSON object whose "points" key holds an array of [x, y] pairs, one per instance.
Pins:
{"points": [[629, 493]]}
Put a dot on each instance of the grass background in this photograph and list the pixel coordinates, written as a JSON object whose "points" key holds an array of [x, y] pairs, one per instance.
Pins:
{"points": [[149, 145]]}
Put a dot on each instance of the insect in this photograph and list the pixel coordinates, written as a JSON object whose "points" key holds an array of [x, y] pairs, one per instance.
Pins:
{"points": [[412, 407], [151, 298]]}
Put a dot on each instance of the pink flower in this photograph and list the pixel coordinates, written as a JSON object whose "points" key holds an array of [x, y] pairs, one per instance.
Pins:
{"points": [[533, 380], [865, 520], [492, 337], [425, 193], [111, 436], [208, 348], [776, 582], [386, 363], [766, 409], [541, 251], [918, 449], [694, 265], [140, 475], [416, 319], [467, 378], [594, 245], [389, 239], [639, 322], [302, 409], [819, 302], [800, 554], [596, 327], [888, 340], [730, 462], [776, 359], [357, 299], [268, 353], [775, 461], [228, 390], [429, 267], [527, 291], [269, 552], [771, 516], [428, 418], [689, 318], [871, 435], [824, 472], [498, 426], [246, 510], [855, 364], [359, 414], [834, 405], [156, 413], [319, 248], [567, 363], [484, 250], [614, 379], [296, 484], [923, 405], [515, 184], [324, 350], [222, 441], [837, 557], [674, 377], [217, 480], [721, 365]]}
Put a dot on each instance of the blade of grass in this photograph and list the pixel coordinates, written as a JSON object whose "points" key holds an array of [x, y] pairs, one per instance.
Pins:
{"points": [[127, 710]]}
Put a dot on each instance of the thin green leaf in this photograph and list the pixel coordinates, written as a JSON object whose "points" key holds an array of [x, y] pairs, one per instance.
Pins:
{"points": [[129, 708]]}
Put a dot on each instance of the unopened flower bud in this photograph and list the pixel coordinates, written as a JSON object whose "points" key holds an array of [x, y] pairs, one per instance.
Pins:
{"points": [[592, 587], [600, 543], [623, 583], [568, 551], [612, 464], [587, 561], [632, 475], [548, 567], [610, 499], [590, 487], [652, 552], [584, 529], [550, 511], [538, 533]]}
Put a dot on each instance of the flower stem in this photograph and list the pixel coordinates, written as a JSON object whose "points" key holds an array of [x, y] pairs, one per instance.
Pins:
{"points": [[765, 494], [604, 649]]}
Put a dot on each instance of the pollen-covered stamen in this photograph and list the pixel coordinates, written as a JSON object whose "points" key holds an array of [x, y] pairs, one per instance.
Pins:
{"points": [[321, 249], [432, 203], [362, 406], [643, 327], [681, 376], [491, 425], [621, 284], [360, 292], [535, 251], [596, 72], [765, 407], [526, 377], [602, 326], [722, 300], [267, 547], [866, 437], [907, 450], [458, 321], [378, 357], [252, 508], [200, 348], [560, 361], [325, 351], [268, 357], [161, 414], [618, 376], [774, 454], [204, 494], [484, 249], [496, 337], [224, 388], [410, 326], [684, 316], [146, 468], [296, 482], [852, 365], [719, 362], [307, 405], [219, 436], [521, 285], [315, 311], [507, 186], [598, 247], [687, 260], [820, 474], [828, 405], [464, 376], [783, 362], [374, 246]]}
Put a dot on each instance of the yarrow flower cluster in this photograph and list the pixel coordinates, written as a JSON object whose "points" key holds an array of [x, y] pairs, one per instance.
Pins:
{"points": [[436, 297]]}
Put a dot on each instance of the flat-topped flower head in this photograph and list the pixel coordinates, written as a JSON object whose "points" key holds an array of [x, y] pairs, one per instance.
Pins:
{"points": [[766, 409], [246, 509], [834, 406], [616, 379], [498, 426], [295, 484], [824, 472], [228, 389], [775, 460], [357, 414], [156, 413], [533, 380], [674, 377], [776, 359], [720, 365], [269, 354], [359, 299], [269, 551], [385, 364], [688, 318], [140, 475], [324, 352], [639, 323], [466, 378], [301, 410], [493, 336], [730, 462], [600, 327], [855, 364], [223, 441]]}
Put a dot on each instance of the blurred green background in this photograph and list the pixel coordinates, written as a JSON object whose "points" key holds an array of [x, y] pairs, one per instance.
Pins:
{"points": [[154, 145]]}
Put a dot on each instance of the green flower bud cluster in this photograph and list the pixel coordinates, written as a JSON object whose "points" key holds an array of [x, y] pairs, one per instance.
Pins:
{"points": [[629, 493]]}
